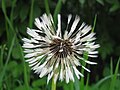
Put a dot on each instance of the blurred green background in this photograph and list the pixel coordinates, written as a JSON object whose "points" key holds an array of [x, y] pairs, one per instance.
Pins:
{"points": [[16, 15]]}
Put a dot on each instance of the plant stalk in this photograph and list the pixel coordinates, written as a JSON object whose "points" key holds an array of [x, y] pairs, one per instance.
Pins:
{"points": [[53, 84]]}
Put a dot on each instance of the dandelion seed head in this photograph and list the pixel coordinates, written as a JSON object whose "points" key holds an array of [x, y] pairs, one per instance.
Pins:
{"points": [[61, 48], [55, 55]]}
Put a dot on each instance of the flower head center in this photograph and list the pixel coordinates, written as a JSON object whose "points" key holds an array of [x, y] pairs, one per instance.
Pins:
{"points": [[61, 48]]}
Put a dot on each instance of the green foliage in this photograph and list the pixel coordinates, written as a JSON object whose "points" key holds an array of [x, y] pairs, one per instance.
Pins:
{"points": [[38, 83], [109, 82], [16, 15]]}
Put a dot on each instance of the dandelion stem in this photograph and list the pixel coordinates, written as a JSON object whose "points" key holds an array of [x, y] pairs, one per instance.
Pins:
{"points": [[53, 84]]}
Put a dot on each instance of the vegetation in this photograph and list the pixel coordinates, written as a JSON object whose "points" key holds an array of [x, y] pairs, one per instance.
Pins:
{"points": [[17, 15]]}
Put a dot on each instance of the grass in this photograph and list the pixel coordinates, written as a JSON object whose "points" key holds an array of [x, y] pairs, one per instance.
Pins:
{"points": [[114, 78], [47, 7], [25, 70], [31, 14], [57, 10], [12, 35], [2, 74], [1, 55]]}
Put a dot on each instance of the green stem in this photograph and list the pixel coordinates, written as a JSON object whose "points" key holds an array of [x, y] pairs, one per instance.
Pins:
{"points": [[86, 86], [53, 84], [94, 23], [31, 14], [1, 56], [85, 56], [25, 70], [114, 78]]}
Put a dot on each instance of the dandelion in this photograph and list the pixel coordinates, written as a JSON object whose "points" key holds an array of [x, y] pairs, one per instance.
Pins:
{"points": [[55, 55]]}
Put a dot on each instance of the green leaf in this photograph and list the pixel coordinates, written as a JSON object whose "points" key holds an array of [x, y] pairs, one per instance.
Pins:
{"points": [[23, 88], [15, 51], [17, 71], [65, 87], [39, 82], [11, 65], [105, 85], [36, 88], [102, 81], [117, 84], [69, 85]]}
